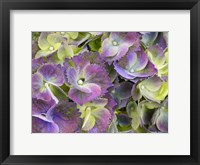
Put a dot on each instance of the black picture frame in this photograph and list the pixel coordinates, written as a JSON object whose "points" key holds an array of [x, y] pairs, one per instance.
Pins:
{"points": [[7, 5]]}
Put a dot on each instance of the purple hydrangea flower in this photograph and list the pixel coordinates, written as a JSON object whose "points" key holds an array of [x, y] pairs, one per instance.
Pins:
{"points": [[97, 114], [86, 83], [42, 125], [117, 44], [48, 73], [135, 65], [66, 115], [40, 106]]}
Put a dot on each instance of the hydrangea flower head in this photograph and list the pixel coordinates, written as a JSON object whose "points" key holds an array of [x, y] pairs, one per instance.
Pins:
{"points": [[97, 115], [86, 84], [135, 65], [117, 44]]}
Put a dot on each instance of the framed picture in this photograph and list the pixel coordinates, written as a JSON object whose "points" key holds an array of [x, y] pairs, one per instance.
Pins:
{"points": [[105, 82]]}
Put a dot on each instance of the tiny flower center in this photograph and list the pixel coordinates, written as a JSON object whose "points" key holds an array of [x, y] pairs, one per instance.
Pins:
{"points": [[113, 91], [51, 48], [114, 43], [88, 109], [132, 70], [62, 33], [142, 87], [80, 82]]}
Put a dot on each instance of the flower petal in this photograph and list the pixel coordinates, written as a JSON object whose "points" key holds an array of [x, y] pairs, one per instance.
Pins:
{"points": [[52, 74], [156, 54], [108, 49], [103, 119], [54, 39], [82, 97], [39, 90], [42, 42], [124, 90], [40, 106], [97, 75], [66, 115], [42, 126]]}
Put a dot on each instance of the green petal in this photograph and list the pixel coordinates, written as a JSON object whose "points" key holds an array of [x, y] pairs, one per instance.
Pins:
{"points": [[152, 84], [132, 112], [56, 46], [146, 110], [131, 107], [135, 120], [73, 35], [43, 53], [163, 71], [136, 94], [163, 92], [156, 95], [76, 49], [54, 39], [65, 51], [89, 121], [113, 127], [156, 54], [42, 42]]}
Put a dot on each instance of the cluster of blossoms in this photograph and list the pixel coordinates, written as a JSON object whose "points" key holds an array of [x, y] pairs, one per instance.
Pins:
{"points": [[99, 82]]}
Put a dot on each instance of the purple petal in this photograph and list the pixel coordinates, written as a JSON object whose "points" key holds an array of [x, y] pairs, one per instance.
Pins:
{"points": [[52, 73], [39, 90], [162, 122], [36, 63], [136, 93], [40, 106], [66, 115], [148, 38], [123, 120], [142, 60], [80, 97], [97, 75], [81, 61], [135, 65], [124, 90], [108, 49], [111, 104], [161, 40], [40, 125], [123, 49], [149, 70], [157, 55], [124, 37], [35, 48], [103, 119], [123, 72]]}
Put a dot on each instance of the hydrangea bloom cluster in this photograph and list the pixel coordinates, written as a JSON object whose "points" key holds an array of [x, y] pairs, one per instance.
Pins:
{"points": [[99, 82]]}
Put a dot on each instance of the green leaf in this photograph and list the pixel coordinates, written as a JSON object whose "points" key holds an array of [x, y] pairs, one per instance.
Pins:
{"points": [[58, 92], [95, 44]]}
